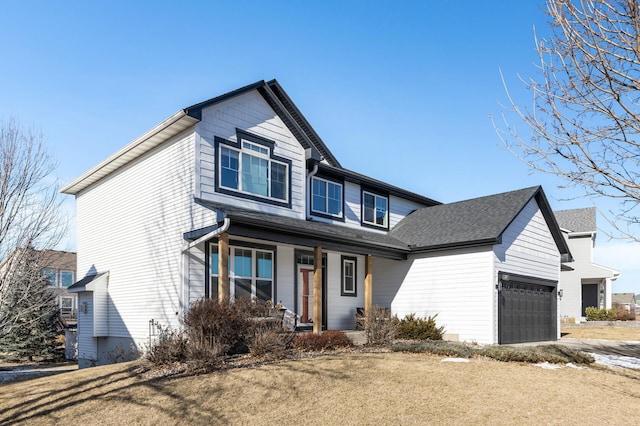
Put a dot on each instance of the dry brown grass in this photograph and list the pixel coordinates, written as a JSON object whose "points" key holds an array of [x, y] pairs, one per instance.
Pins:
{"points": [[602, 332], [353, 388]]}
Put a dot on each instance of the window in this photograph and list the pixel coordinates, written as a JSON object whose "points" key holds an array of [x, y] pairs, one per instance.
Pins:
{"points": [[66, 307], [66, 278], [375, 209], [250, 168], [250, 273], [52, 276], [349, 284], [326, 197]]}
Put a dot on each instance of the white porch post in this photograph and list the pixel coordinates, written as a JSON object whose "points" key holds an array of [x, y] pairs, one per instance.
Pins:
{"points": [[368, 284], [223, 267]]}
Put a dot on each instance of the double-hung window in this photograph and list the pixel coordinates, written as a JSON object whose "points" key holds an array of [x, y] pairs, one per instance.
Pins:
{"points": [[66, 278], [375, 209], [52, 276], [349, 284], [252, 169], [326, 197], [250, 273]]}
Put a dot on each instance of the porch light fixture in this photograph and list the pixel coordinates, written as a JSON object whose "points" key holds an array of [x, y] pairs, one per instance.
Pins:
{"points": [[560, 293]]}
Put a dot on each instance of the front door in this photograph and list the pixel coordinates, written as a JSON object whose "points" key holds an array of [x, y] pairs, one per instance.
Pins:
{"points": [[305, 295]]}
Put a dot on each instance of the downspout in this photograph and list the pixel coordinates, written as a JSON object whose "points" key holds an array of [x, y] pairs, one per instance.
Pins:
{"points": [[309, 176], [214, 233], [185, 278]]}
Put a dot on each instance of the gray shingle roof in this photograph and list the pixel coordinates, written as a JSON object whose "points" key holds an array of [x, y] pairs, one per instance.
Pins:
{"points": [[282, 226], [577, 220], [470, 222]]}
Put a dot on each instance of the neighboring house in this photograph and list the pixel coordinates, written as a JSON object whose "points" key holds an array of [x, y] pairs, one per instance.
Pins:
{"points": [[626, 301], [60, 268], [238, 196], [582, 282]]}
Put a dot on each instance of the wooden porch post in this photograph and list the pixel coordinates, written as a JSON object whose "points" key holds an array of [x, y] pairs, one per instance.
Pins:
{"points": [[368, 283], [223, 267], [317, 290]]}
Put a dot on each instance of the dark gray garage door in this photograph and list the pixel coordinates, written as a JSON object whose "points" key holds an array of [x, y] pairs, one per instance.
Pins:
{"points": [[527, 309]]}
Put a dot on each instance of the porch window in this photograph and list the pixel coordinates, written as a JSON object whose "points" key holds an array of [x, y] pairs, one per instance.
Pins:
{"points": [[349, 286], [251, 169], [326, 197], [375, 210], [251, 273]]}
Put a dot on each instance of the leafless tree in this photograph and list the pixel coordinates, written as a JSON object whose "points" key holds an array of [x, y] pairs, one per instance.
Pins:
{"points": [[584, 123], [30, 218]]}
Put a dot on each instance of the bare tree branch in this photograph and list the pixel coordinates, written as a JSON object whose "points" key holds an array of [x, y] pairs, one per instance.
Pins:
{"points": [[585, 119], [30, 218]]}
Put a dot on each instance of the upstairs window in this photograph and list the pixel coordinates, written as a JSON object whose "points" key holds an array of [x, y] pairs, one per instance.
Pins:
{"points": [[52, 276], [326, 197], [250, 168], [375, 210], [66, 278]]}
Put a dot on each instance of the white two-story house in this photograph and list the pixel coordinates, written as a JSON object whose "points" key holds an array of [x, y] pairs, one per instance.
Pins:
{"points": [[583, 283], [238, 196]]}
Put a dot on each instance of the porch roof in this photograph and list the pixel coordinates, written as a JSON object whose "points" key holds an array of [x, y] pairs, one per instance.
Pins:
{"points": [[264, 226]]}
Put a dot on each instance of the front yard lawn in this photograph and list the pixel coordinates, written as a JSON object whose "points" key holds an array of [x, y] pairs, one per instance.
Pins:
{"points": [[602, 332], [346, 388]]}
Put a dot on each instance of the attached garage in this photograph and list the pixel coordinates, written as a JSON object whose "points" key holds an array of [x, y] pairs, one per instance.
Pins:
{"points": [[527, 310]]}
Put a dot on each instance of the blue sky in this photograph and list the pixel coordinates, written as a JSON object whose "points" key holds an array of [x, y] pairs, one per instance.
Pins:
{"points": [[399, 91]]}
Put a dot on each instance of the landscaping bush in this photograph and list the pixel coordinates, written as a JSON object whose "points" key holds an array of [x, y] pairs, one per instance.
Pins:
{"points": [[169, 347], [624, 315], [217, 327], [435, 347], [415, 328], [329, 340], [533, 354], [271, 342], [379, 326], [595, 314]]}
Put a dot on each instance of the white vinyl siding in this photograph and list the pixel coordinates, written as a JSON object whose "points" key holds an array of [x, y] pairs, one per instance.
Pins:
{"points": [[456, 285], [131, 224], [87, 345], [341, 311], [250, 113], [527, 247]]}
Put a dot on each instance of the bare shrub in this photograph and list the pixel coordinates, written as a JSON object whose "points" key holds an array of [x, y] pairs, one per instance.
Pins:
{"points": [[271, 342], [379, 326], [168, 348], [216, 328], [327, 341]]}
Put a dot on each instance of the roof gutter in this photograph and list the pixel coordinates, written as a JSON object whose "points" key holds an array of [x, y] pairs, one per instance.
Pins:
{"points": [[138, 147]]}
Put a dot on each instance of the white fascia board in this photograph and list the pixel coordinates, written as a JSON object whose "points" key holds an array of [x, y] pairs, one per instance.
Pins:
{"points": [[140, 146]]}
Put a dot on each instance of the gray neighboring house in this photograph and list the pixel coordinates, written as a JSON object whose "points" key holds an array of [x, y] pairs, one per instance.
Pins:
{"points": [[627, 301], [583, 283]]}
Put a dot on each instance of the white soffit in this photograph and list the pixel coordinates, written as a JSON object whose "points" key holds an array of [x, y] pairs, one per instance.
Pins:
{"points": [[140, 146]]}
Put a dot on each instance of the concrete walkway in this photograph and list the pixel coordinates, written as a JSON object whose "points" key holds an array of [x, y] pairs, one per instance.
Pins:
{"points": [[11, 373]]}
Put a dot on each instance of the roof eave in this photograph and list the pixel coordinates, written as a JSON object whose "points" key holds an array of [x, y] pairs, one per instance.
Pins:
{"points": [[170, 127], [456, 245]]}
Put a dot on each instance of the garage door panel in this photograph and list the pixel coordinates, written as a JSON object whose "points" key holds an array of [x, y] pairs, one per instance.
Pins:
{"points": [[527, 312]]}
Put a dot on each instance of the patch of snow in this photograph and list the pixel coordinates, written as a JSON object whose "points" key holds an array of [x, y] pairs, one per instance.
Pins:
{"points": [[455, 360], [572, 365], [548, 366], [616, 361]]}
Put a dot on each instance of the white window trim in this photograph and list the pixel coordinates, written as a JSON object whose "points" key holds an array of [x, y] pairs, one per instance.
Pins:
{"points": [[326, 200], [254, 153], [375, 208]]}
